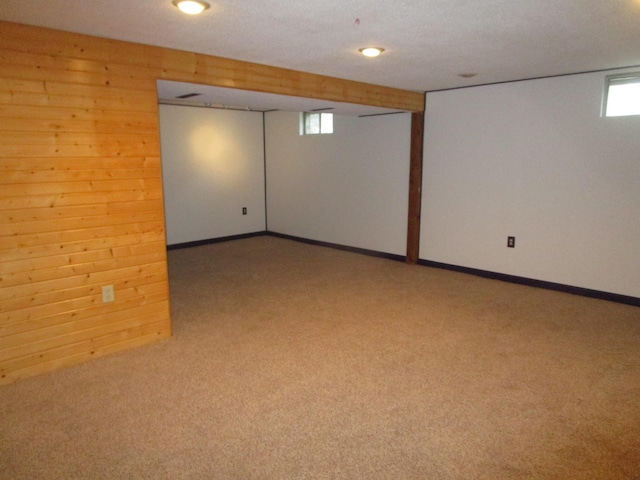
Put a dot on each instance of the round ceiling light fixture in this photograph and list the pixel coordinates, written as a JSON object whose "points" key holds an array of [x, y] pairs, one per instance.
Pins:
{"points": [[371, 51], [191, 7]]}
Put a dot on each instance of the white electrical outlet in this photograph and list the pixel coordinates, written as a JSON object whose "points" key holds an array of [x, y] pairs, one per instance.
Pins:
{"points": [[107, 294]]}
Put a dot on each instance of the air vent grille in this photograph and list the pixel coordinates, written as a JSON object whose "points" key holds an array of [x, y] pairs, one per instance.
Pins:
{"points": [[188, 95]]}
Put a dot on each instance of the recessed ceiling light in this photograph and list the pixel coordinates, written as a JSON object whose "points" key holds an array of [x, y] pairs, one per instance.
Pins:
{"points": [[467, 75], [192, 7], [371, 51]]}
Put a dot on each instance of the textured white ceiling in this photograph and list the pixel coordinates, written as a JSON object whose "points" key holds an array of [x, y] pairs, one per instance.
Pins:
{"points": [[428, 42]]}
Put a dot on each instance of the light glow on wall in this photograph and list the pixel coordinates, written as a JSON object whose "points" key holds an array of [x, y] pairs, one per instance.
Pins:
{"points": [[217, 153]]}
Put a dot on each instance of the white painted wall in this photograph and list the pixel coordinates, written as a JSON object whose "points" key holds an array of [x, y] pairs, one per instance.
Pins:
{"points": [[348, 188], [212, 167], [534, 159]]}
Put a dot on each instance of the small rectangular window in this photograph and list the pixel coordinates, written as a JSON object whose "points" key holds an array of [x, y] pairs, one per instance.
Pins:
{"points": [[314, 123], [622, 95]]}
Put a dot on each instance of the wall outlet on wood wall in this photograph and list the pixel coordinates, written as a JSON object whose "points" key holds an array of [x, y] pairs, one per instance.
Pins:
{"points": [[108, 294]]}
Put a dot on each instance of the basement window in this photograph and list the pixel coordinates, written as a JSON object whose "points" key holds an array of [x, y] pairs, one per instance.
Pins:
{"points": [[314, 123], [622, 95]]}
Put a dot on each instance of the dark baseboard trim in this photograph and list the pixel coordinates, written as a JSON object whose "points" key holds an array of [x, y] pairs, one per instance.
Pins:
{"points": [[584, 292], [530, 282], [207, 241], [336, 246]]}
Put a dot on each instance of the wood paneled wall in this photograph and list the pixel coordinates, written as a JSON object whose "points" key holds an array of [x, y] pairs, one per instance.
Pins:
{"points": [[80, 187]]}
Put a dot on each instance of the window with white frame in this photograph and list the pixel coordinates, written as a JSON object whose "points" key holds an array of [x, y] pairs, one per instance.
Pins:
{"points": [[315, 123], [622, 95]]}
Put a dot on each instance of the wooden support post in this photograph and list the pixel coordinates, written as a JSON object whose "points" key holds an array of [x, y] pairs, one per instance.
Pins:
{"points": [[415, 187]]}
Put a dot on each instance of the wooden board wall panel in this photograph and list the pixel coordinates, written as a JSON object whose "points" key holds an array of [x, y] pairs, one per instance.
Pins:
{"points": [[24, 215], [21, 38], [77, 235], [78, 212], [46, 147], [152, 331], [27, 228], [80, 186], [101, 68], [18, 308], [147, 205], [151, 325], [78, 268], [64, 175], [11, 85], [54, 261], [95, 97], [263, 78], [77, 187], [88, 198], [76, 115], [39, 292], [185, 66], [86, 308], [30, 344], [59, 336], [44, 263], [14, 189], [14, 59], [107, 79], [43, 251], [48, 124], [79, 164], [151, 289], [158, 332], [65, 138]]}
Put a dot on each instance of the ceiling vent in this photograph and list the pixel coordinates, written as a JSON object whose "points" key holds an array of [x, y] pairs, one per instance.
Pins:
{"points": [[188, 95]]}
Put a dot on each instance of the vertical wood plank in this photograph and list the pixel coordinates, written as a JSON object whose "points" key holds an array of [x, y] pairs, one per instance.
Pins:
{"points": [[415, 187]]}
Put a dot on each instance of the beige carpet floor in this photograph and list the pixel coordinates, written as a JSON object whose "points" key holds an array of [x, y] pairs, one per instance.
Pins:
{"points": [[292, 361]]}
